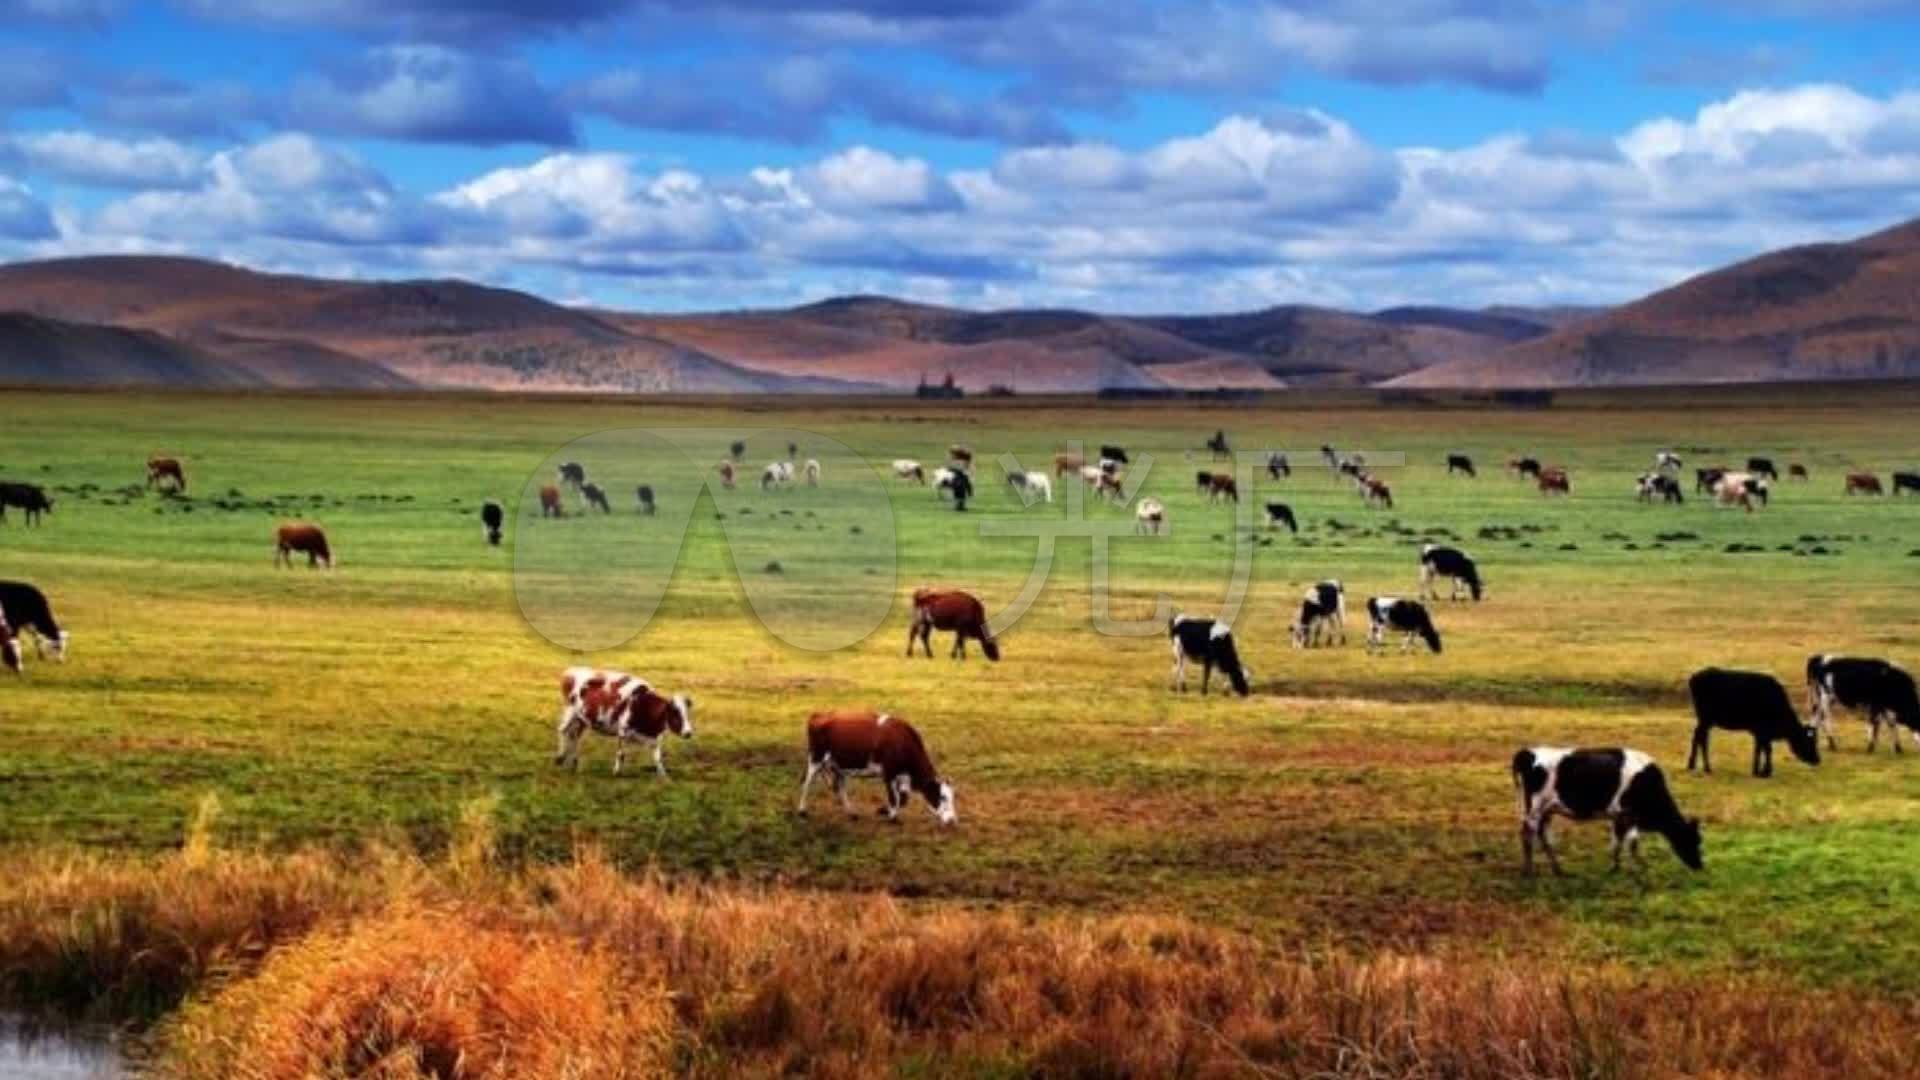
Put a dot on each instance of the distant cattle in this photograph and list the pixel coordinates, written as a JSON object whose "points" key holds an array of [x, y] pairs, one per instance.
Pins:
{"points": [[1460, 463], [31, 498], [960, 486], [1906, 481], [1705, 480], [1104, 484], [950, 609], [793, 451], [9, 644], [572, 474], [595, 497], [1068, 464], [1218, 445], [1324, 607], [1354, 468], [1329, 457], [961, 454], [1624, 786], [1223, 487], [1883, 691], [1150, 516], [1032, 485], [1112, 466], [550, 505], [166, 471], [1659, 485], [621, 707], [1203, 481], [1114, 453], [778, 474], [1749, 701], [1279, 514], [812, 472], [848, 743], [1667, 459], [907, 469], [1277, 466], [492, 518], [1210, 643], [643, 496], [305, 538], [1450, 563], [1763, 466], [1864, 483], [1376, 492], [1554, 481], [944, 480], [24, 607], [1796, 471], [1408, 617], [1525, 467], [1734, 483], [737, 450], [725, 469]]}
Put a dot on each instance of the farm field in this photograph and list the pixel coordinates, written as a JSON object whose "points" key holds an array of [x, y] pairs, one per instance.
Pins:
{"points": [[1355, 803]]}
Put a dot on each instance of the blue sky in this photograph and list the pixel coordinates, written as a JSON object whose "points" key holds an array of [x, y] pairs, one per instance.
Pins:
{"points": [[1122, 155]]}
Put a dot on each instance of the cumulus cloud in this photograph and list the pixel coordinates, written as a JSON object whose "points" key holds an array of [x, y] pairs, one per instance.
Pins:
{"points": [[85, 158], [594, 200], [429, 93], [862, 178]]}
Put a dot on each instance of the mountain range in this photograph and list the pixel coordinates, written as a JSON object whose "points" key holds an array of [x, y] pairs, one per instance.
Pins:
{"points": [[1841, 310]]}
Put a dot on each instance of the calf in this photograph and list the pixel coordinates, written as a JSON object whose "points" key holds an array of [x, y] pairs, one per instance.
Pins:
{"points": [[643, 495], [908, 469], [1554, 481], [26, 608], [1210, 643], [950, 609], [492, 517], [621, 707], [1906, 481], [1452, 564], [1524, 467], [1324, 606], [1882, 690], [31, 498], [550, 502], [1279, 514], [1150, 516], [847, 743], [1763, 466], [308, 539], [1460, 463], [1623, 786], [1863, 483], [1115, 453], [572, 474], [167, 471], [9, 644], [595, 497], [1407, 617], [1747, 701]]}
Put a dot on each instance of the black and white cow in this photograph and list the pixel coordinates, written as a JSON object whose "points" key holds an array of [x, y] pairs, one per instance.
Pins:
{"points": [[1660, 485], [492, 518], [594, 496], [1279, 514], [1323, 606], [1748, 701], [1211, 644], [572, 474], [1407, 617], [1667, 459], [1114, 453], [26, 608], [1624, 786], [1452, 564], [1884, 691]]}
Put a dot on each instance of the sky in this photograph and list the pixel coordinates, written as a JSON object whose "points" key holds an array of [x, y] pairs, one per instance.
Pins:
{"points": [[1115, 155]]}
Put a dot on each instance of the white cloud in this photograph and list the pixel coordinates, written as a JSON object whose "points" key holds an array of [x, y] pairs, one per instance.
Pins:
{"points": [[85, 158], [862, 178]]}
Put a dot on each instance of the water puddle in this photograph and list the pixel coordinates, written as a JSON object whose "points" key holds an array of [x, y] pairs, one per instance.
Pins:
{"points": [[31, 1051]]}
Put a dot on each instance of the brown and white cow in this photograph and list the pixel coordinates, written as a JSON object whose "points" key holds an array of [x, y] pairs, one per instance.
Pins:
{"points": [[166, 469], [550, 505], [950, 609], [845, 743], [305, 538], [1376, 491], [622, 707], [1065, 464]]}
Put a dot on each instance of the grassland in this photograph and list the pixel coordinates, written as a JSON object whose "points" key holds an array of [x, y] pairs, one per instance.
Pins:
{"points": [[1354, 803]]}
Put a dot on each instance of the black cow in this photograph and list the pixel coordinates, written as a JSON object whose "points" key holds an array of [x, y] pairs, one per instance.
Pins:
{"points": [[573, 474], [26, 608], [1115, 453], [1408, 617], [31, 498], [1748, 701], [1906, 481], [1279, 514], [1763, 466], [1277, 466], [1450, 563], [1621, 785], [1210, 643], [1705, 480], [1203, 481], [492, 517], [1460, 463], [1525, 467], [1324, 605], [595, 497], [960, 485], [1882, 690], [738, 450], [644, 496]]}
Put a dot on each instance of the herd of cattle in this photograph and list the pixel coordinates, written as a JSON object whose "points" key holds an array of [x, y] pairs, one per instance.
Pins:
{"points": [[1623, 786]]}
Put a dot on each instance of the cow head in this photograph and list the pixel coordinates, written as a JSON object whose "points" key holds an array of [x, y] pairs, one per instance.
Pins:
{"points": [[1804, 741], [680, 720], [60, 646], [1685, 838], [943, 805]]}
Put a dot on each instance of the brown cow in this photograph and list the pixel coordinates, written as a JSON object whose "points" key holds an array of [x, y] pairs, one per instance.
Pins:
{"points": [[860, 742], [961, 454], [1554, 481], [726, 473], [1220, 484], [166, 468], [1796, 471], [617, 705], [308, 539], [950, 609], [550, 505], [1376, 491], [1068, 464], [1864, 483]]}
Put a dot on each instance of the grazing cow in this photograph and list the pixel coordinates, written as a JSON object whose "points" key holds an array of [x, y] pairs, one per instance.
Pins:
{"points": [[1796, 471], [572, 474], [492, 518], [1218, 444], [812, 471], [25, 607], [779, 474], [907, 469], [1705, 480], [1740, 489], [1279, 514], [595, 497], [725, 469], [306, 538], [1032, 485], [1452, 564], [643, 495], [166, 469], [550, 505], [1524, 467], [1623, 786], [619, 706], [1353, 468], [1864, 483], [31, 498], [1460, 463], [1763, 466], [848, 743], [1667, 459], [1065, 464], [1884, 691], [1324, 606], [1906, 481], [1149, 516], [962, 455], [1209, 642], [1223, 486], [1659, 484], [1407, 617], [950, 609], [1748, 701], [1277, 466], [1376, 492], [1554, 481], [1115, 453], [738, 450]]}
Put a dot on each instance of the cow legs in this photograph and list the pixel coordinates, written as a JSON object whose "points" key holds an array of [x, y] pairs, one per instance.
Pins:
{"points": [[840, 789], [1179, 669], [570, 732], [1625, 835], [1536, 829], [1206, 674], [1762, 757], [1699, 750], [959, 650], [806, 785], [659, 757]]}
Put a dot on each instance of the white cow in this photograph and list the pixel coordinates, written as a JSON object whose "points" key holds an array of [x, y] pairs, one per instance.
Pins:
{"points": [[1149, 516], [909, 469], [812, 470], [1033, 485], [778, 474]]}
